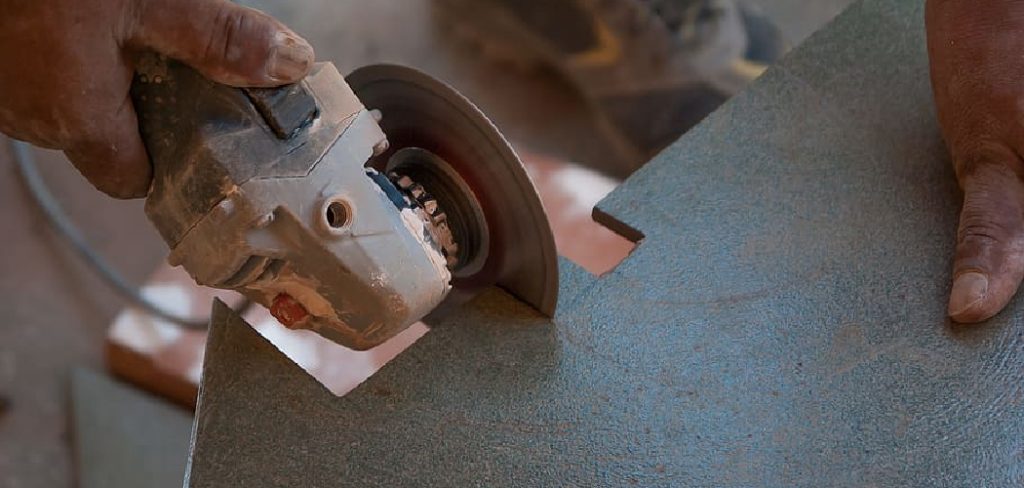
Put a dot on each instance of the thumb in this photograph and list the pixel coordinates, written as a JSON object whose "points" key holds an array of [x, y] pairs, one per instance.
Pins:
{"points": [[227, 43], [989, 261]]}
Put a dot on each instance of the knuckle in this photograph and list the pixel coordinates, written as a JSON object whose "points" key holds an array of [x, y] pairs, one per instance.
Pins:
{"points": [[978, 244], [227, 39], [977, 151], [987, 238], [985, 222], [982, 233], [991, 226]]}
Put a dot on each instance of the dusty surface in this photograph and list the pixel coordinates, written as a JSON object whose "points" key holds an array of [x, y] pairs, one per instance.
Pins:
{"points": [[56, 312]]}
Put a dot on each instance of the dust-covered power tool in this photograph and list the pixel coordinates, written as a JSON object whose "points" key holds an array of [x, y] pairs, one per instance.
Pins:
{"points": [[351, 207]]}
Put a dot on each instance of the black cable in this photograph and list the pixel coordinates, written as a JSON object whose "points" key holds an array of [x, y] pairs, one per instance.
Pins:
{"points": [[25, 161]]}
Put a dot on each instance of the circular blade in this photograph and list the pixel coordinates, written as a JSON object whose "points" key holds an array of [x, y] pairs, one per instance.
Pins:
{"points": [[421, 112]]}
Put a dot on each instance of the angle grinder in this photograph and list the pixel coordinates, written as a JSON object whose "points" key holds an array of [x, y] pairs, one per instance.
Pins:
{"points": [[351, 207]]}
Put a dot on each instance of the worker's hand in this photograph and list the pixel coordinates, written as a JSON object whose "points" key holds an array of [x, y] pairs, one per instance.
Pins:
{"points": [[66, 69], [977, 65]]}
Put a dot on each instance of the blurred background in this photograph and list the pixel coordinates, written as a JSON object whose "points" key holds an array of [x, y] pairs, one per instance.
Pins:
{"points": [[582, 115]]}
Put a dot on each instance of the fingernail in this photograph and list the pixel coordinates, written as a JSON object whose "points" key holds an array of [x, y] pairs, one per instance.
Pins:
{"points": [[290, 58], [969, 290]]}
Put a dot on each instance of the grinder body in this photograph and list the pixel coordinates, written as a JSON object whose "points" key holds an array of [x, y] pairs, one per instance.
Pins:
{"points": [[267, 192]]}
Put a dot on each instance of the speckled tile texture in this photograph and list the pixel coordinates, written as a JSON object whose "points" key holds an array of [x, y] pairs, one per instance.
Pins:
{"points": [[781, 324]]}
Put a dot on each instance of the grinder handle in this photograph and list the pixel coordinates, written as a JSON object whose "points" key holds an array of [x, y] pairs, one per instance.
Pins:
{"points": [[204, 137], [162, 91]]}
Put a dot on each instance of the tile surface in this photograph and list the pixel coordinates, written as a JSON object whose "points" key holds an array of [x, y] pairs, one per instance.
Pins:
{"points": [[781, 324]]}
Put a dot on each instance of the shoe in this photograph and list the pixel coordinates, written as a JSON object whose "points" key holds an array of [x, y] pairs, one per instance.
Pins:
{"points": [[650, 69]]}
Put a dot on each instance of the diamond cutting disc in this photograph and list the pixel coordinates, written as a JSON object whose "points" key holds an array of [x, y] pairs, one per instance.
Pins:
{"points": [[423, 113]]}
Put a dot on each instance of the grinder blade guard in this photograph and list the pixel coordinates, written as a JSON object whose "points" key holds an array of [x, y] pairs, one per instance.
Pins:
{"points": [[296, 197]]}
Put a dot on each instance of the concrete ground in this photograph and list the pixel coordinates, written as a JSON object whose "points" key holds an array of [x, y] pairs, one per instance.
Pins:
{"points": [[56, 311]]}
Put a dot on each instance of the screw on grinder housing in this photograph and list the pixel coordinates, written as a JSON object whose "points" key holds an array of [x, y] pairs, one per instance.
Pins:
{"points": [[294, 197]]}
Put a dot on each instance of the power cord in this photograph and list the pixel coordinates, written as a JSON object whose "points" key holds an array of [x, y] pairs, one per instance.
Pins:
{"points": [[60, 221]]}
